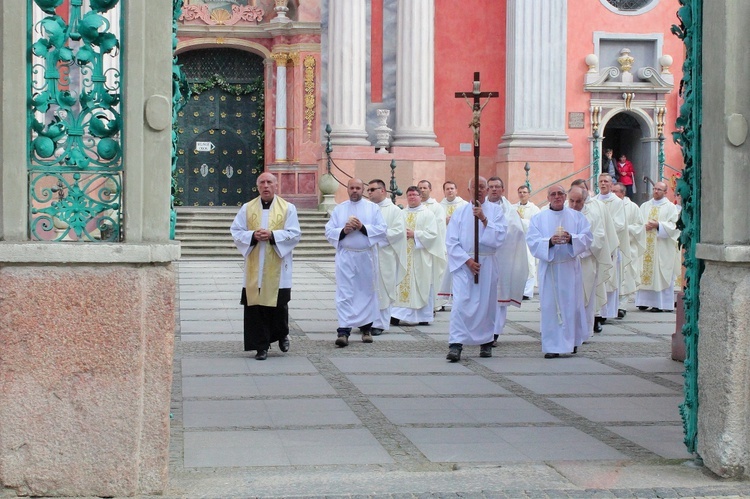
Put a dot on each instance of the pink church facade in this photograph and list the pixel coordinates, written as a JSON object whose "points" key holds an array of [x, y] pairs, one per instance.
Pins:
{"points": [[384, 75]]}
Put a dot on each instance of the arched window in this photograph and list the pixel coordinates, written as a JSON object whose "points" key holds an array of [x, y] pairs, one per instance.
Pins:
{"points": [[630, 7]]}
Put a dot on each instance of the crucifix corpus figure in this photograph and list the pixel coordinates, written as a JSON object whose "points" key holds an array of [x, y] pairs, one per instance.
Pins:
{"points": [[476, 116], [476, 109]]}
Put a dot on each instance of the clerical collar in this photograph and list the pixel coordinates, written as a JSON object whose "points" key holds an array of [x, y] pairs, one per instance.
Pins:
{"points": [[606, 196], [660, 201], [266, 204]]}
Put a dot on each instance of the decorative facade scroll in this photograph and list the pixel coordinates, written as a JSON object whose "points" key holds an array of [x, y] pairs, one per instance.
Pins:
{"points": [[201, 14], [309, 64]]}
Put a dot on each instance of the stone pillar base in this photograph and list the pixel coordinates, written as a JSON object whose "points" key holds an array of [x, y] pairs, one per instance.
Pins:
{"points": [[85, 377], [724, 369], [548, 164]]}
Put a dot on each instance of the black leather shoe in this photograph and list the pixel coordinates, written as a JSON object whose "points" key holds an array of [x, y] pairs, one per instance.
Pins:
{"points": [[654, 309], [454, 353], [597, 325], [575, 349], [621, 313], [284, 344], [485, 350], [395, 322], [376, 331], [424, 323], [642, 308], [551, 355], [261, 355], [526, 298]]}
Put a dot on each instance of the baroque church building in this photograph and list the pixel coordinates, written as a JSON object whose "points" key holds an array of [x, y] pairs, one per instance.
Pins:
{"points": [[572, 78]]}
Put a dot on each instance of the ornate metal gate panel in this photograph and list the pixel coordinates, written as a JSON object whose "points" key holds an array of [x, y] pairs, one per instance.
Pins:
{"points": [[689, 187], [74, 121], [220, 130]]}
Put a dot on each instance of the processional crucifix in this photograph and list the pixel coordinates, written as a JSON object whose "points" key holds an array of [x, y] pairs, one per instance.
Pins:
{"points": [[476, 95]]}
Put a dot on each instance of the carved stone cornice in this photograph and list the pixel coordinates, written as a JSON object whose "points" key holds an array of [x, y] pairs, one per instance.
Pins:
{"points": [[197, 14]]}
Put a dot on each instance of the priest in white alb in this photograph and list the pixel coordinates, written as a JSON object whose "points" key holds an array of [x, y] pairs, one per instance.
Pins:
{"points": [[659, 268], [474, 303], [391, 254], [425, 259], [557, 237], [527, 209], [355, 228], [631, 274], [450, 203], [425, 193], [511, 257]]}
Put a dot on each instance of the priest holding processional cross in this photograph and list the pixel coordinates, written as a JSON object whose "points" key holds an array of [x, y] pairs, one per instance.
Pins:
{"points": [[475, 232]]}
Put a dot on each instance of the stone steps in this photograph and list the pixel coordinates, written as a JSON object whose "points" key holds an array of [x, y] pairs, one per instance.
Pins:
{"points": [[204, 233]]}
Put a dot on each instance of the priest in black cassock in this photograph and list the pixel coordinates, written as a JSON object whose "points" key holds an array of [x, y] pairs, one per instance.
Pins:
{"points": [[265, 231]]}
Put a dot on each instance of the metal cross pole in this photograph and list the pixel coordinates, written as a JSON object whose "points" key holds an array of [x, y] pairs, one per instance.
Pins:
{"points": [[476, 110]]}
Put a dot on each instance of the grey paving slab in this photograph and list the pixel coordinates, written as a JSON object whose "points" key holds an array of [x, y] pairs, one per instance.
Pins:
{"points": [[652, 364], [210, 304], [508, 444], [461, 410], [387, 337], [308, 316], [662, 440], [675, 378], [246, 365], [253, 413], [253, 386], [211, 326], [425, 385], [665, 329], [202, 337], [621, 338], [397, 365], [570, 364], [625, 409], [283, 448], [319, 326], [212, 315], [579, 384]]}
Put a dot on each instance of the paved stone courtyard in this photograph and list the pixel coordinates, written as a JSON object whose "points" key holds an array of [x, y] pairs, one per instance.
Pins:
{"points": [[395, 419]]}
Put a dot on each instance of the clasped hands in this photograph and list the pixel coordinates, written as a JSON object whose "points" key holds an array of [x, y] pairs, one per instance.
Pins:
{"points": [[262, 235], [352, 224], [652, 225], [561, 238]]}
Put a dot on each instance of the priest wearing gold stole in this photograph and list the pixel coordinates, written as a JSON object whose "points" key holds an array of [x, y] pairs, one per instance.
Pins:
{"points": [[265, 231], [659, 267]]}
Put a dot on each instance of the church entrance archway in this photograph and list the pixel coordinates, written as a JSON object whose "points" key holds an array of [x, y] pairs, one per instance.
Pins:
{"points": [[625, 134], [221, 128]]}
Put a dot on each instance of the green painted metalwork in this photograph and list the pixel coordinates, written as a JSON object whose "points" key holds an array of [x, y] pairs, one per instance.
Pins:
{"points": [[527, 169], [688, 137], [395, 191], [74, 122], [661, 156], [180, 94]]}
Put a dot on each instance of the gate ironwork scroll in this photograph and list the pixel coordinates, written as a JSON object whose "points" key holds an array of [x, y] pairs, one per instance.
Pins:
{"points": [[74, 121]]}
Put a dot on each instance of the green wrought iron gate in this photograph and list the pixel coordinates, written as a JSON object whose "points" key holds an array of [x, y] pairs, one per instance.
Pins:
{"points": [[220, 129], [689, 187]]}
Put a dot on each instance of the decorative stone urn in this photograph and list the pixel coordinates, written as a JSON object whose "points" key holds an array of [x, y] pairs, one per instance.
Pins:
{"points": [[328, 186]]}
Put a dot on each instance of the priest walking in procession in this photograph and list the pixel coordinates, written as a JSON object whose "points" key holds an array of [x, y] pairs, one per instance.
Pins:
{"points": [[450, 203], [472, 319], [425, 193], [355, 229], [659, 267], [631, 273], [557, 237], [527, 209], [425, 260], [511, 257], [265, 231], [391, 254]]}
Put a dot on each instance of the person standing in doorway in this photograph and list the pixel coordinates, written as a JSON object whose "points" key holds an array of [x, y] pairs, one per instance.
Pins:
{"points": [[626, 175]]}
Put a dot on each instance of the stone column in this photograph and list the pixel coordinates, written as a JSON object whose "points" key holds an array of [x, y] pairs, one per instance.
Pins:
{"points": [[415, 80], [87, 328], [280, 135], [535, 89], [347, 59], [724, 323]]}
